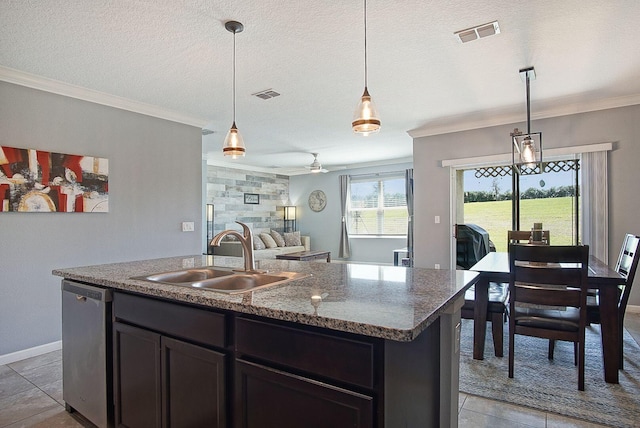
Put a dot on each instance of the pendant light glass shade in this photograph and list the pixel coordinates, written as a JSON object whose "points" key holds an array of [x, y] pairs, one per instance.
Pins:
{"points": [[526, 148], [365, 119], [233, 143]]}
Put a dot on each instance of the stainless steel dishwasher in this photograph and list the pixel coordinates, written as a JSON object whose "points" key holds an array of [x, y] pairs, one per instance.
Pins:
{"points": [[86, 352]]}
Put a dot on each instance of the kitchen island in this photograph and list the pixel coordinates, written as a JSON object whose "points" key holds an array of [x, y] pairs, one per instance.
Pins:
{"points": [[349, 345]]}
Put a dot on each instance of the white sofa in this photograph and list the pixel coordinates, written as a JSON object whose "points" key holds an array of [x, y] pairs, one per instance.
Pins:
{"points": [[234, 249]]}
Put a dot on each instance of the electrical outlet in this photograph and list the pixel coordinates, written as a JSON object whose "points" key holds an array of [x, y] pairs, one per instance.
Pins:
{"points": [[188, 226], [437, 266], [437, 219]]}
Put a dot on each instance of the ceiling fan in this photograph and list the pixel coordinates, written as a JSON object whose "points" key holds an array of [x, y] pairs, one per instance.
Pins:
{"points": [[316, 166]]}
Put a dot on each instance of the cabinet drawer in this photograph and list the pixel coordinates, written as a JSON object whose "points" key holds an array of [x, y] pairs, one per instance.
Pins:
{"points": [[186, 322], [274, 398], [342, 359]]}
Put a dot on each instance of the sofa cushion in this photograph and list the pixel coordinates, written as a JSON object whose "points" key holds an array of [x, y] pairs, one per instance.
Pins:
{"points": [[292, 239], [268, 240], [258, 243], [278, 238]]}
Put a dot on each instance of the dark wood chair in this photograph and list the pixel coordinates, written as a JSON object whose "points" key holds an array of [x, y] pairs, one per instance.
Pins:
{"points": [[496, 311], [626, 266], [548, 300], [518, 236]]}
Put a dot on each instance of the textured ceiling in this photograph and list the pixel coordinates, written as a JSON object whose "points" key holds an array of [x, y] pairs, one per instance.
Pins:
{"points": [[176, 54]]}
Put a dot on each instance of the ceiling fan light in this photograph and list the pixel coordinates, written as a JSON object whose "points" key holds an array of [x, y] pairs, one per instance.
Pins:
{"points": [[233, 143], [365, 118]]}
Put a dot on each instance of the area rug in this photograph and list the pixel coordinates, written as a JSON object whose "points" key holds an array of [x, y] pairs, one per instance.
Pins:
{"points": [[552, 386]]}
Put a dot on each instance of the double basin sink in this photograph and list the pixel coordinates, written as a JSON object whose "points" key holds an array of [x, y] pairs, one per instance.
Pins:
{"points": [[222, 280]]}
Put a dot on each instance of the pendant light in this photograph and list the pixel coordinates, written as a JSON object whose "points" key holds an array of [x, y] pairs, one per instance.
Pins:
{"points": [[365, 118], [527, 148], [233, 142]]}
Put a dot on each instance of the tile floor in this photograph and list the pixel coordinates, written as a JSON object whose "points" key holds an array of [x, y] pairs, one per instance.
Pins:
{"points": [[31, 396]]}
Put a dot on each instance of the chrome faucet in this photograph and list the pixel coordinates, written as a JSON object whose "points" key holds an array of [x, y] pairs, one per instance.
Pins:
{"points": [[246, 239]]}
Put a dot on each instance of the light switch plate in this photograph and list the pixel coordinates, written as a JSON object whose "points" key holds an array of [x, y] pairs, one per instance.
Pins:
{"points": [[188, 226]]}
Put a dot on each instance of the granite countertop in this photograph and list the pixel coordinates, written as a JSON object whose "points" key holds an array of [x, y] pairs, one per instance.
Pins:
{"points": [[388, 302]]}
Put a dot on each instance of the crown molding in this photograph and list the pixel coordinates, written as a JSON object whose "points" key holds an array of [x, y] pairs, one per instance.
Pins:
{"points": [[293, 171], [34, 81], [497, 117]]}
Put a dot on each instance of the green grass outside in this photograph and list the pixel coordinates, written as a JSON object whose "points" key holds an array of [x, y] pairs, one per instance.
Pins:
{"points": [[556, 215]]}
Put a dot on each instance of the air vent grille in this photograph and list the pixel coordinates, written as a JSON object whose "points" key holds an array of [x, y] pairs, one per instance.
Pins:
{"points": [[206, 131], [478, 32], [266, 94]]}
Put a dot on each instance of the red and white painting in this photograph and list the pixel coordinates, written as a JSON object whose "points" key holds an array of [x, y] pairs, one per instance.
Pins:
{"points": [[39, 181]]}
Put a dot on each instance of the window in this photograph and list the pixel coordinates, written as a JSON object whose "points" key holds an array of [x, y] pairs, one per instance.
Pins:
{"points": [[378, 205]]}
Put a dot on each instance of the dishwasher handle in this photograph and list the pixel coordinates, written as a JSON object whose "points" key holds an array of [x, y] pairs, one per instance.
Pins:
{"points": [[84, 291]]}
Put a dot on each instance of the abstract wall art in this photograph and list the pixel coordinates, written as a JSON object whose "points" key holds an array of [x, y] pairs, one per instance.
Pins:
{"points": [[40, 181]]}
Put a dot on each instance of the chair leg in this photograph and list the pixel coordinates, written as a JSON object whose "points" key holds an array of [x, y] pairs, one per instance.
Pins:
{"points": [[575, 353], [552, 347], [581, 364], [511, 345], [497, 331], [621, 338]]}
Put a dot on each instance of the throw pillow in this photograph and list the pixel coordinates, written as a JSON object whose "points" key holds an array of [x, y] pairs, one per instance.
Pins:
{"points": [[258, 244], [292, 239], [278, 238], [268, 240]]}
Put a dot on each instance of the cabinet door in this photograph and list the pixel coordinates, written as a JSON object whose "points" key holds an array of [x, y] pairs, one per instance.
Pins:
{"points": [[136, 376], [267, 397], [193, 386]]}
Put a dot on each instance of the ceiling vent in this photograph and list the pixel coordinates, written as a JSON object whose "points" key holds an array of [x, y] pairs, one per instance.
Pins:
{"points": [[478, 32], [206, 131], [266, 94]]}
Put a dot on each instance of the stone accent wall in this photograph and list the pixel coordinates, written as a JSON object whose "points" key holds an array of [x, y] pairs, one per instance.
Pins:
{"points": [[226, 188]]}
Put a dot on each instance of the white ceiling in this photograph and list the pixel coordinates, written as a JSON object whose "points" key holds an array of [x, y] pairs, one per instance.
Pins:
{"points": [[177, 56]]}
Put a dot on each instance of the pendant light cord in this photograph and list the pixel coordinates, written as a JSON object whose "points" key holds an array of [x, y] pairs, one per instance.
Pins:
{"points": [[234, 77], [365, 43], [528, 107]]}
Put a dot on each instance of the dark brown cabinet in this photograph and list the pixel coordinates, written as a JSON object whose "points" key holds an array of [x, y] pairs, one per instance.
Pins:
{"points": [[288, 376], [267, 397], [193, 385], [182, 365], [136, 377], [160, 381]]}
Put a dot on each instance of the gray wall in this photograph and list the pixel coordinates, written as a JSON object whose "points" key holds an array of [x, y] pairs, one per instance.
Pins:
{"points": [[620, 126], [324, 227], [155, 183]]}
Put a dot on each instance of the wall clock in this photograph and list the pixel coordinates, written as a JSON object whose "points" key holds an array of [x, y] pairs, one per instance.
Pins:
{"points": [[317, 200]]}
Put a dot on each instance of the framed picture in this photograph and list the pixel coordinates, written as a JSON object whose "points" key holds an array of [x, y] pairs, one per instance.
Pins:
{"points": [[251, 198]]}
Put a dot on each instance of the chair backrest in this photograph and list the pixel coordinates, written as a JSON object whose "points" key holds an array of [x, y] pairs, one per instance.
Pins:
{"points": [[549, 275], [515, 236], [627, 264]]}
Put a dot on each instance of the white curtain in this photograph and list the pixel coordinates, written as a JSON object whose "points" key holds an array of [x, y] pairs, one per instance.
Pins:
{"points": [[345, 249], [595, 204]]}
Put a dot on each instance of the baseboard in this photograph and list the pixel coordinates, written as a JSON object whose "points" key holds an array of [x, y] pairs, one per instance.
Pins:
{"points": [[634, 309], [31, 352]]}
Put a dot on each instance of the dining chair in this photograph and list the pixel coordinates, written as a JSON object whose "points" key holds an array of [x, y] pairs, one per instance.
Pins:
{"points": [[626, 266], [497, 308], [515, 236], [547, 296], [496, 312]]}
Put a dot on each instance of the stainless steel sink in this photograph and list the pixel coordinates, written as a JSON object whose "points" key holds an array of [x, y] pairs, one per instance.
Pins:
{"points": [[187, 276], [222, 280]]}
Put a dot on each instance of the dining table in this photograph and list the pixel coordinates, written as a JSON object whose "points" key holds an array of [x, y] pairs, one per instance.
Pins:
{"points": [[494, 267]]}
